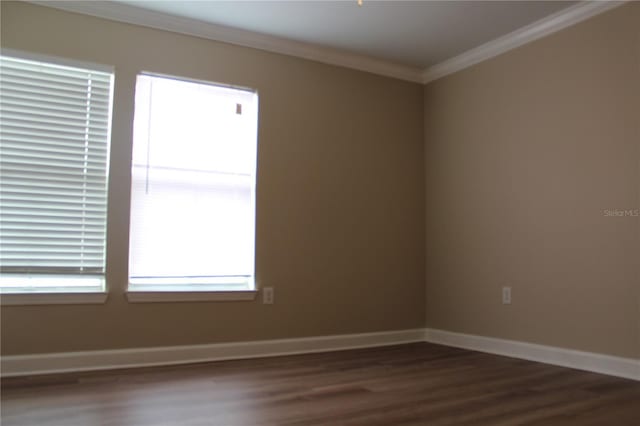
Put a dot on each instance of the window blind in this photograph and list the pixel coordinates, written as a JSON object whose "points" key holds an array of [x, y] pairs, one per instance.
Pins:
{"points": [[54, 151]]}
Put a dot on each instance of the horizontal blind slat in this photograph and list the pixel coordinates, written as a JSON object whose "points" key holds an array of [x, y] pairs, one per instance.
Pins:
{"points": [[70, 156], [57, 271], [70, 130], [49, 238], [10, 144], [52, 165], [23, 249], [50, 69], [54, 138], [41, 102], [18, 115], [30, 76], [75, 89], [54, 172], [49, 214], [45, 186]]}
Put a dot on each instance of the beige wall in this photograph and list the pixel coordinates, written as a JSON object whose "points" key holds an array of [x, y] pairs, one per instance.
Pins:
{"points": [[340, 204], [523, 153]]}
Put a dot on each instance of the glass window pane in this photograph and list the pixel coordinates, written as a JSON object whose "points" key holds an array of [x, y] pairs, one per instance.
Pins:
{"points": [[193, 185]]}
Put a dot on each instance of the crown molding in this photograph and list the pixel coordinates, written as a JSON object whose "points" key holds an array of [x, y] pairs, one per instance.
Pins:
{"points": [[544, 27], [133, 15]]}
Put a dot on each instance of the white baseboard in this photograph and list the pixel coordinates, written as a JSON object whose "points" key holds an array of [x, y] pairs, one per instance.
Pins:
{"points": [[25, 365], [589, 361]]}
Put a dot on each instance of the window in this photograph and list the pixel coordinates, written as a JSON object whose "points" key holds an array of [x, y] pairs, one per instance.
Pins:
{"points": [[193, 187], [54, 150]]}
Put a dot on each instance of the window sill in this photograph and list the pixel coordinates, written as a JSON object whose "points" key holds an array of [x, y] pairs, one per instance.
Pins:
{"points": [[190, 296], [76, 298]]}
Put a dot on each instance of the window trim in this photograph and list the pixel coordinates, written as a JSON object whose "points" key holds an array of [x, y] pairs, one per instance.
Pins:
{"points": [[144, 296], [63, 296], [198, 81], [25, 299], [150, 293]]}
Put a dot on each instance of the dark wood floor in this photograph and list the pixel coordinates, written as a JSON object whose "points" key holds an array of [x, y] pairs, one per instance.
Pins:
{"points": [[416, 384]]}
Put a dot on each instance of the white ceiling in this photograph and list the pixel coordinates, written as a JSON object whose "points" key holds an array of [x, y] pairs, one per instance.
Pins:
{"points": [[418, 41], [411, 33]]}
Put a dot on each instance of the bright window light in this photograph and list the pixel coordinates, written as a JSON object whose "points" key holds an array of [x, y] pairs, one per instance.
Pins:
{"points": [[193, 186]]}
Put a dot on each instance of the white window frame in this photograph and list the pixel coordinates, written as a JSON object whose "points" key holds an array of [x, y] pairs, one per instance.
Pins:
{"points": [[71, 288], [184, 292]]}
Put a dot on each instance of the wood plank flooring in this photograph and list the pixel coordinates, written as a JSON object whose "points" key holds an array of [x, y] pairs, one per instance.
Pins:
{"points": [[415, 384]]}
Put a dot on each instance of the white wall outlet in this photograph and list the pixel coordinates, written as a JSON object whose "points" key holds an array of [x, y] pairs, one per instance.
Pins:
{"points": [[506, 295], [267, 295]]}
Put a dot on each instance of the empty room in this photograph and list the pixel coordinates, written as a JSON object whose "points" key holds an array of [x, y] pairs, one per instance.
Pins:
{"points": [[239, 213]]}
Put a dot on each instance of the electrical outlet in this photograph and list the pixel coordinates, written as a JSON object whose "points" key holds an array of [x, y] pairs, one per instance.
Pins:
{"points": [[506, 295], [267, 295]]}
